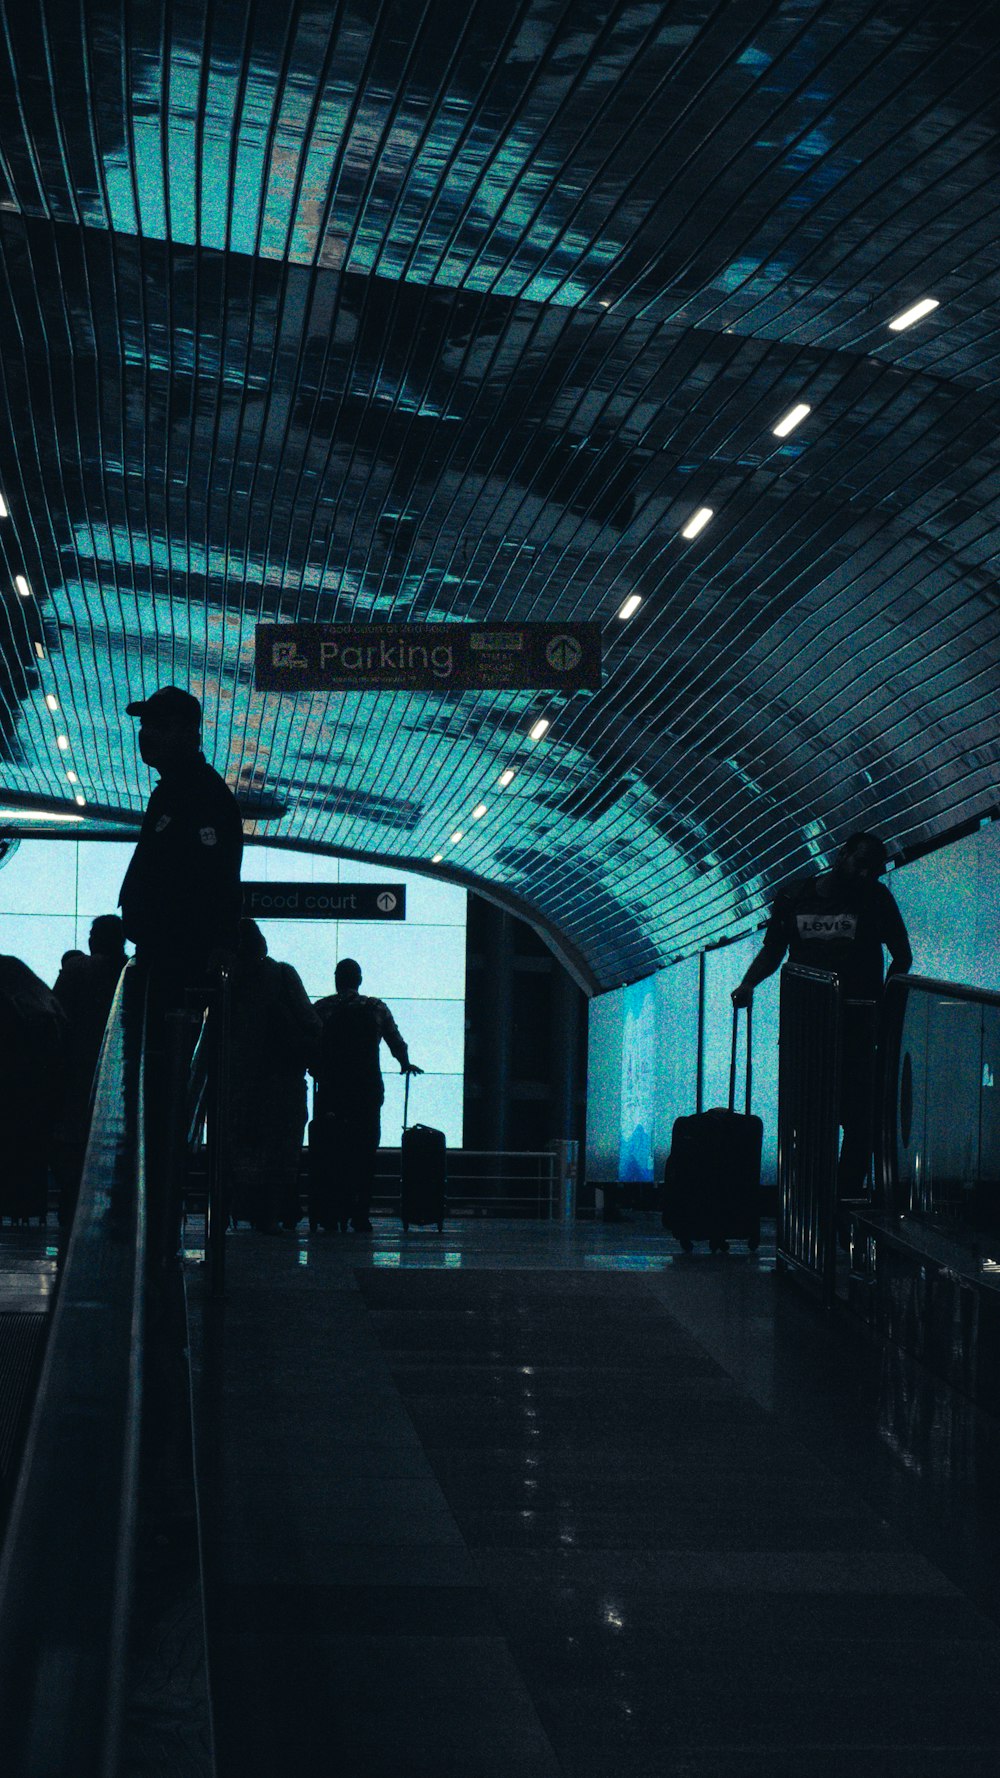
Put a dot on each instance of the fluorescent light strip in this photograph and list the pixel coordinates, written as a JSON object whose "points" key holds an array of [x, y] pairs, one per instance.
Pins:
{"points": [[506, 777], [72, 778], [479, 811], [52, 702], [4, 510], [630, 606], [698, 521], [62, 742], [456, 836], [80, 799], [39, 650], [538, 729], [35, 815], [22, 586], [438, 858], [791, 419], [916, 313]]}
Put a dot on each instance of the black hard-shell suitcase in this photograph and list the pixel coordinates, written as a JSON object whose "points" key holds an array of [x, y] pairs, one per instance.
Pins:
{"points": [[423, 1171], [711, 1181]]}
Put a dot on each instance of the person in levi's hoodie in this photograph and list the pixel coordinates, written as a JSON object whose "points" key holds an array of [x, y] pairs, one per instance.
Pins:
{"points": [[842, 921]]}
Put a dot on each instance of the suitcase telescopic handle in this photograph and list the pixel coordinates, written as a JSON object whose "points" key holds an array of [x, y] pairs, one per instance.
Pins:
{"points": [[406, 1102], [732, 1058]]}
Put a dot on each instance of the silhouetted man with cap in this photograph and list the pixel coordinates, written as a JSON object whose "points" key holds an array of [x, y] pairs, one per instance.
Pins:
{"points": [[181, 899], [181, 903]]}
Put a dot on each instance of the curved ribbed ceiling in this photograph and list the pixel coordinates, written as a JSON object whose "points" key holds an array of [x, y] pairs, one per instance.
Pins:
{"points": [[413, 312]]}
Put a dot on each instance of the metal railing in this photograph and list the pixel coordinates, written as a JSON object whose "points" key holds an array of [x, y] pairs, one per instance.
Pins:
{"points": [[515, 1182], [66, 1574], [939, 1130], [808, 1125]]}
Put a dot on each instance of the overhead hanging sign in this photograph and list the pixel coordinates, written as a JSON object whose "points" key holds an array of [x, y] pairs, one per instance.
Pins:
{"points": [[324, 901], [428, 657]]}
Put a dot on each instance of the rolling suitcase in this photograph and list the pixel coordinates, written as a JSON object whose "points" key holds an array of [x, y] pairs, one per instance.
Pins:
{"points": [[328, 1205], [711, 1181], [422, 1171]]}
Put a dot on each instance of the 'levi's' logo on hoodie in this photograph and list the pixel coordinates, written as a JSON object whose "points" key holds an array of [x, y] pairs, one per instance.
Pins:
{"points": [[827, 925]]}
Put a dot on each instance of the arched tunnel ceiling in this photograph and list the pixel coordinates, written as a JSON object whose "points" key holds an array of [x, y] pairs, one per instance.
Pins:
{"points": [[446, 311]]}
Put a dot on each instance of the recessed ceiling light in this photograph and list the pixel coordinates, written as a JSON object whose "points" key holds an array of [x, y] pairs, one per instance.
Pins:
{"points": [[791, 419], [438, 858], [4, 513], [51, 700], [479, 811], [630, 606], [456, 836], [22, 586], [81, 800], [62, 742], [697, 521], [538, 729], [36, 815], [916, 313], [506, 777], [72, 777]]}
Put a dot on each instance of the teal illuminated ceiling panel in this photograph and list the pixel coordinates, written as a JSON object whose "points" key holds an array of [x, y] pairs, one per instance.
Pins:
{"points": [[388, 313]]}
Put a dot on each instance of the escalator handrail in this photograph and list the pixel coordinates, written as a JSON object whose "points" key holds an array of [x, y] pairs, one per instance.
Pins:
{"points": [[66, 1570]]}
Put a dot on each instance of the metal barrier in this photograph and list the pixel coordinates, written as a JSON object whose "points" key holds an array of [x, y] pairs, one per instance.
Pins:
{"points": [[482, 1182], [808, 1126], [66, 1575], [939, 1138]]}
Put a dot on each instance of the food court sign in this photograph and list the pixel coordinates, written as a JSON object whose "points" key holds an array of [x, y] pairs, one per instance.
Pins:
{"points": [[428, 657], [324, 901]]}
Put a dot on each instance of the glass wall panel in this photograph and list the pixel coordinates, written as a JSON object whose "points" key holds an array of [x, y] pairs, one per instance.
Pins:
{"points": [[39, 940], [951, 904], [435, 1099], [638, 1076], [604, 1083], [40, 879], [102, 866], [676, 1052], [723, 969]]}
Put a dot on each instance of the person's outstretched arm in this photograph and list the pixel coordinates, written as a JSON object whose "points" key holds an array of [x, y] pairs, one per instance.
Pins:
{"points": [[767, 960], [759, 970], [391, 1032]]}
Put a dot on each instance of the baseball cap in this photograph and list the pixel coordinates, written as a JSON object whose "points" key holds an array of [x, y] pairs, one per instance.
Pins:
{"points": [[169, 705]]}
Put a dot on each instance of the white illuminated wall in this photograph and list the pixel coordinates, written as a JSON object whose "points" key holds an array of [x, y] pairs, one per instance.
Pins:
{"points": [[51, 890]]}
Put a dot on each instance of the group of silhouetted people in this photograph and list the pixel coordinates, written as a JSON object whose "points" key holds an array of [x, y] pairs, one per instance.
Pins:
{"points": [[181, 908], [181, 904], [50, 1040]]}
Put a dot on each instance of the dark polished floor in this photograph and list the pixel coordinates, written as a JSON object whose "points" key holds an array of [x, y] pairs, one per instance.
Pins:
{"points": [[528, 1500]]}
